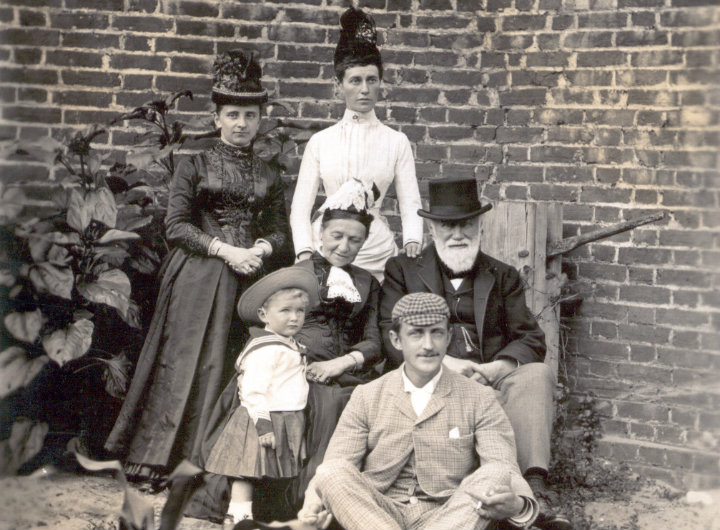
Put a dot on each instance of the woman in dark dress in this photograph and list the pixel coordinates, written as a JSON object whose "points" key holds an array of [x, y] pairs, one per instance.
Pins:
{"points": [[341, 333], [226, 215]]}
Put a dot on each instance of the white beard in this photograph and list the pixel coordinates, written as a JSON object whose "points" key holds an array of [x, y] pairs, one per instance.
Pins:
{"points": [[459, 260]]}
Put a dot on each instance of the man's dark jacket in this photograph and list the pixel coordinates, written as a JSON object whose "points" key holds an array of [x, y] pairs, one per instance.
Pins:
{"points": [[502, 318]]}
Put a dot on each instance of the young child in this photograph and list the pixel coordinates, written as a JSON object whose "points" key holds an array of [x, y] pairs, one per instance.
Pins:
{"points": [[263, 433]]}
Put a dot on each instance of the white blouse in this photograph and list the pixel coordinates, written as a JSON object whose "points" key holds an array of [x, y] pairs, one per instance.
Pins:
{"points": [[361, 147], [273, 377]]}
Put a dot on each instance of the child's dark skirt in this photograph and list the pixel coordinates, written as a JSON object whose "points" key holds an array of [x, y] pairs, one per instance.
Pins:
{"points": [[238, 453]]}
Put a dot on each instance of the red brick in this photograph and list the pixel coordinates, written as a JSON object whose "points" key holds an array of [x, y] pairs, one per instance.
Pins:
{"points": [[551, 192], [178, 45], [32, 18], [648, 295], [92, 41], [144, 23], [642, 411], [79, 98], [32, 94], [198, 85], [137, 82], [601, 58], [30, 37], [131, 61], [414, 95], [683, 278], [194, 9], [642, 431], [306, 89], [32, 114]]}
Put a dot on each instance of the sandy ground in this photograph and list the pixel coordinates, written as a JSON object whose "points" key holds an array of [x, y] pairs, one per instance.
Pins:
{"points": [[91, 502]]}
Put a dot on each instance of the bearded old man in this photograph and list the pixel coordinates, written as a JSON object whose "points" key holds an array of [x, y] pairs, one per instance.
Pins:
{"points": [[495, 339]]}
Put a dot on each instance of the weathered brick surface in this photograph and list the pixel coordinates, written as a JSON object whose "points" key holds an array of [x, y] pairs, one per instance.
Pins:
{"points": [[609, 107]]}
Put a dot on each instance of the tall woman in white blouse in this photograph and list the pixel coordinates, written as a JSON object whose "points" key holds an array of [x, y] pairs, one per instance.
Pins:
{"points": [[359, 147]]}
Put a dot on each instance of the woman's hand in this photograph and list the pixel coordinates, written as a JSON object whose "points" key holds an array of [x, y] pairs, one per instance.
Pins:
{"points": [[267, 440], [321, 371], [241, 260], [412, 250]]}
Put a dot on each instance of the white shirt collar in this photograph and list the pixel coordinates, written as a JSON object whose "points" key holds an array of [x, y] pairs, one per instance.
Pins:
{"points": [[354, 117], [428, 388], [290, 341]]}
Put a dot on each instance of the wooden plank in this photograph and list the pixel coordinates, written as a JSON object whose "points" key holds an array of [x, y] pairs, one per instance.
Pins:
{"points": [[564, 246], [518, 233]]}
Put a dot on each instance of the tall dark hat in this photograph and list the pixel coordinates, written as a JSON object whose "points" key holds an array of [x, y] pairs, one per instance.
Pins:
{"points": [[236, 80], [358, 40], [453, 200]]}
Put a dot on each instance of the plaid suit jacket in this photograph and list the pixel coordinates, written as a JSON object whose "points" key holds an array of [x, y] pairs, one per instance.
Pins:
{"points": [[379, 429]]}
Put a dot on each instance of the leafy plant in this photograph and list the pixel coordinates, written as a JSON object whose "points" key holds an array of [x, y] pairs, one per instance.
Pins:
{"points": [[279, 138], [578, 475], [65, 275], [152, 161]]}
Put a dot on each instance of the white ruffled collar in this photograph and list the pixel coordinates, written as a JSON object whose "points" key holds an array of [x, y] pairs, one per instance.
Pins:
{"points": [[340, 285], [360, 118]]}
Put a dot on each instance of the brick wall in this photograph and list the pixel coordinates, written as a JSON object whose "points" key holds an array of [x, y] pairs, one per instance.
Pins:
{"points": [[608, 106]]}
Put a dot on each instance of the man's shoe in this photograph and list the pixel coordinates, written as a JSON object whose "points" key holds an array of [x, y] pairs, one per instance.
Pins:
{"points": [[549, 518]]}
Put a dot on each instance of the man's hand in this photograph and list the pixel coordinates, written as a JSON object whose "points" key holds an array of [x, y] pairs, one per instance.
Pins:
{"points": [[267, 440], [495, 370], [465, 367], [313, 512], [500, 503]]}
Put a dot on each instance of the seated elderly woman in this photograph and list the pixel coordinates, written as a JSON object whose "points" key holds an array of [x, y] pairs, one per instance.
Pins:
{"points": [[341, 333], [342, 338]]}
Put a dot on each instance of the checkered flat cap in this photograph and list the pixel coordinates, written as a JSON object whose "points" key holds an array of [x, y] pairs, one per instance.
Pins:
{"points": [[421, 309]]}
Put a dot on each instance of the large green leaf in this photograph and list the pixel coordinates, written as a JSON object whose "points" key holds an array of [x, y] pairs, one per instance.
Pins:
{"points": [[39, 246], [17, 369], [25, 327], [110, 288], [58, 256], [102, 207], [132, 316], [12, 202], [65, 345], [113, 235], [65, 238], [143, 159], [7, 278], [26, 439], [115, 375], [48, 278], [146, 262], [78, 214], [113, 255]]}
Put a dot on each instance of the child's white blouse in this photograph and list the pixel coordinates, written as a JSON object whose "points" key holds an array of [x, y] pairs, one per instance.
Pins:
{"points": [[273, 377], [361, 147]]}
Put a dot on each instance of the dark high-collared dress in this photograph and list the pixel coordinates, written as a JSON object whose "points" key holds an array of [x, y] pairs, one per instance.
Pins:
{"points": [[195, 334], [332, 329]]}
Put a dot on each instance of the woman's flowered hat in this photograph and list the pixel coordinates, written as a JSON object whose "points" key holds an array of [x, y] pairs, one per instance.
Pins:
{"points": [[236, 80]]}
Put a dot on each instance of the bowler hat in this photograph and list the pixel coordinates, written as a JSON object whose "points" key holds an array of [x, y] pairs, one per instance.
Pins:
{"points": [[255, 296], [453, 200]]}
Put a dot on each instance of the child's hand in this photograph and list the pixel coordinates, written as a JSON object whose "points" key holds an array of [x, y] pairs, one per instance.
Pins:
{"points": [[268, 440]]}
